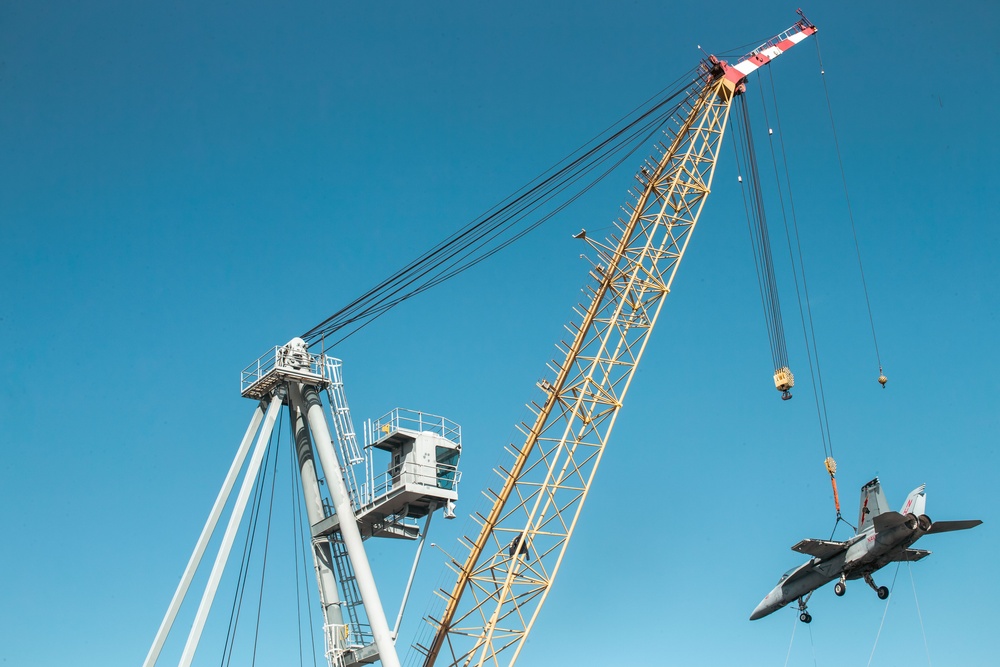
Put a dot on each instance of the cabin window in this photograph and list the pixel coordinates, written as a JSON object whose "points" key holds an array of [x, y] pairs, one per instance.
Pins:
{"points": [[447, 464]]}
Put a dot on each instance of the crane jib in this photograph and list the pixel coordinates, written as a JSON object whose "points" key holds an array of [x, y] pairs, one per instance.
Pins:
{"points": [[767, 52], [513, 561]]}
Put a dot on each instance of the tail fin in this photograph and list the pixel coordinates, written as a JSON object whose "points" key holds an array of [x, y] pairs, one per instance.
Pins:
{"points": [[873, 503], [915, 502]]}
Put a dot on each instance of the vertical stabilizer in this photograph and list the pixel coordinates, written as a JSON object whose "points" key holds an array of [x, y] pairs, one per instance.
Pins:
{"points": [[873, 503], [915, 502]]}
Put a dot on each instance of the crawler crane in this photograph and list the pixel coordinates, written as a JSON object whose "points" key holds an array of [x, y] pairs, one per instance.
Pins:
{"points": [[512, 563]]}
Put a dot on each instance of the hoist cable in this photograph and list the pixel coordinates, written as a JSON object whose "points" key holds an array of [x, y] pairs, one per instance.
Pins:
{"points": [[499, 219], [242, 578], [267, 542], [759, 236], [248, 542], [920, 618], [234, 612], [805, 314], [791, 641], [520, 208], [884, 612], [781, 358], [453, 269], [850, 210]]}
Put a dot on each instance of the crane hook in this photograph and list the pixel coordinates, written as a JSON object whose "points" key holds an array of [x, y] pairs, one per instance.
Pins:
{"points": [[882, 379]]}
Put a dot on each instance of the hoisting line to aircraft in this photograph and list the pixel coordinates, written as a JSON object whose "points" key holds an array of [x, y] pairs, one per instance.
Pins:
{"points": [[757, 224], [812, 348], [882, 379], [885, 611]]}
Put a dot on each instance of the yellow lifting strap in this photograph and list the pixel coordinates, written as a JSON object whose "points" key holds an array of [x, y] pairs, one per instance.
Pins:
{"points": [[831, 467]]}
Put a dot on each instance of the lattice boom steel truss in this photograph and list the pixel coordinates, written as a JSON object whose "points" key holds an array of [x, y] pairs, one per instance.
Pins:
{"points": [[514, 561]]}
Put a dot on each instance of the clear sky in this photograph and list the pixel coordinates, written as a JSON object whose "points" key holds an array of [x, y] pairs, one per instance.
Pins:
{"points": [[185, 184]]}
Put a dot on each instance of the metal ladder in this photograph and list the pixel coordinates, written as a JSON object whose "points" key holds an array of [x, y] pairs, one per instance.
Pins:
{"points": [[360, 634], [340, 414]]}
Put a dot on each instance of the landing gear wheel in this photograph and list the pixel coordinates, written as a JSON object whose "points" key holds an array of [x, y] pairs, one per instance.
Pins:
{"points": [[840, 589], [805, 617], [882, 592]]}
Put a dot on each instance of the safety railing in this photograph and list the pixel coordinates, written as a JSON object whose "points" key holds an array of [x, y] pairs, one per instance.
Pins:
{"points": [[288, 358], [440, 476], [777, 39], [411, 420]]}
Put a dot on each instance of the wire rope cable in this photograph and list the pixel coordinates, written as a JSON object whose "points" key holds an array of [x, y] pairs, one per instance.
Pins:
{"points": [[920, 617], [248, 544], [753, 202], [850, 210], [267, 543], [798, 269], [812, 645], [481, 238], [884, 612], [788, 654]]}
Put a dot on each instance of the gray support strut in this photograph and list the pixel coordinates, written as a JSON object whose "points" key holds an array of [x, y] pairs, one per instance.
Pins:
{"points": [[322, 558], [349, 527]]}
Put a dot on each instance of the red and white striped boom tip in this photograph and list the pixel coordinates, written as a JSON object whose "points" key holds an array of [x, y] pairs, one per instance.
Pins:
{"points": [[766, 52]]}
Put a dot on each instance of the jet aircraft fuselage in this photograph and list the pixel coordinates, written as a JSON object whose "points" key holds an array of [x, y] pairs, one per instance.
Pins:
{"points": [[882, 537]]}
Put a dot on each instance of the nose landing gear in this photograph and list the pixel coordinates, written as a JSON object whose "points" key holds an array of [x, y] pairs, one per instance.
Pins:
{"points": [[804, 615]]}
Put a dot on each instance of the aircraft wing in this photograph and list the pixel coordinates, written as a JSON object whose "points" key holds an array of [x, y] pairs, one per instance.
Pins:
{"points": [[821, 549], [911, 555], [947, 526]]}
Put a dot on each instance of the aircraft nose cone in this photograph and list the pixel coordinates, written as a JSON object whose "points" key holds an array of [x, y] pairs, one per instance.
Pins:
{"points": [[767, 606]]}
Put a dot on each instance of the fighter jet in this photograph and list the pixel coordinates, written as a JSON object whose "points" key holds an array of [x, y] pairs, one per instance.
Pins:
{"points": [[882, 537]]}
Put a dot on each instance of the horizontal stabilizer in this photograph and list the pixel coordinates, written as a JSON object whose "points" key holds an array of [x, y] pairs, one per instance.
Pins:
{"points": [[819, 548], [888, 520], [948, 526], [912, 555]]}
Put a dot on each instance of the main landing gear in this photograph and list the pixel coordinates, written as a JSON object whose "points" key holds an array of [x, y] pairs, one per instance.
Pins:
{"points": [[881, 591], [841, 587]]}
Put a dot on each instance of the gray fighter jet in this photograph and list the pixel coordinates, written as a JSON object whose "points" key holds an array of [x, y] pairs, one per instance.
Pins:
{"points": [[883, 537]]}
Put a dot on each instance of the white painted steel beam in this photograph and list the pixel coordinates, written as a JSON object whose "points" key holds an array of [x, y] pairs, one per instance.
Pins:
{"points": [[203, 539], [323, 443], [230, 535]]}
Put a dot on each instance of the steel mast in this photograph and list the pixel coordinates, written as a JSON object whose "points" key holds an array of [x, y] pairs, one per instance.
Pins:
{"points": [[422, 476], [513, 562]]}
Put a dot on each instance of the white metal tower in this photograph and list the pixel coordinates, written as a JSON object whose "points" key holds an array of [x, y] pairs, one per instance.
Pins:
{"points": [[422, 477]]}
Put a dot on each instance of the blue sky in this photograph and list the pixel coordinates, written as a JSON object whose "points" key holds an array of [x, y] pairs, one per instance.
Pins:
{"points": [[184, 185]]}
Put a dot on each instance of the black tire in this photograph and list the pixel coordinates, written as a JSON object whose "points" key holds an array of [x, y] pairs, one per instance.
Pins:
{"points": [[840, 589], [882, 592], [805, 617]]}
